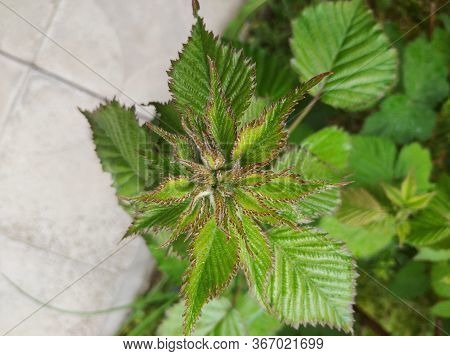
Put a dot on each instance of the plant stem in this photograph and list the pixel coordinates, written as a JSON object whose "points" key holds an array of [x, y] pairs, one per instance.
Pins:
{"points": [[305, 112], [373, 324]]}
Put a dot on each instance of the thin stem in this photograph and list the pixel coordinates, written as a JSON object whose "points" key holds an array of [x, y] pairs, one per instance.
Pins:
{"points": [[365, 319], [303, 114], [432, 19]]}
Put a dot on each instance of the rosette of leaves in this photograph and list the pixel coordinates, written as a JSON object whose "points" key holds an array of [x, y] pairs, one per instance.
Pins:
{"points": [[227, 205]]}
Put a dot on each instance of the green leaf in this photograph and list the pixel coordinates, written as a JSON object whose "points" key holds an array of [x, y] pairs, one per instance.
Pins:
{"points": [[213, 264], [320, 204], [432, 255], [359, 208], [123, 147], [190, 75], [261, 140], [290, 188], [331, 145], [402, 120], [441, 309], [411, 281], [342, 37], [362, 241], [183, 148], [372, 160], [440, 279], [313, 279], [171, 190], [158, 216], [219, 117], [424, 73], [323, 155], [440, 43], [416, 160], [432, 224], [255, 256]]}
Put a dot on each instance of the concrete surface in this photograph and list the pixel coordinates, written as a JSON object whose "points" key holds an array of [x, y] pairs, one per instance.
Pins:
{"points": [[59, 216]]}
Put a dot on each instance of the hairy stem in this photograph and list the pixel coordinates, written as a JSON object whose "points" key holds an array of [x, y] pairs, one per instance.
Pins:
{"points": [[304, 112]]}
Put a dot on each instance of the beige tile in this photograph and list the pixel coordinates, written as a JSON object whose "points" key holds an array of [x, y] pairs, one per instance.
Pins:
{"points": [[42, 275], [129, 46], [18, 37], [54, 193], [12, 75]]}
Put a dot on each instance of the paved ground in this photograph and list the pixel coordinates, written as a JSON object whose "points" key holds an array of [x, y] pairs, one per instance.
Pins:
{"points": [[58, 214]]}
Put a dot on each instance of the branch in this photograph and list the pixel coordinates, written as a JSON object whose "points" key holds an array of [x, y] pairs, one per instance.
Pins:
{"points": [[365, 319]]}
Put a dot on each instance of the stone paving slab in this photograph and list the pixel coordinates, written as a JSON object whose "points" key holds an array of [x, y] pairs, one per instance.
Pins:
{"points": [[59, 215]]}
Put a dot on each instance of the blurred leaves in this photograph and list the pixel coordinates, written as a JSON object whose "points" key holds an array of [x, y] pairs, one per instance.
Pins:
{"points": [[425, 73], [402, 120], [220, 317]]}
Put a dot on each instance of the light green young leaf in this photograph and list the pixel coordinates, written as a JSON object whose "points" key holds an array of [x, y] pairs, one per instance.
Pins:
{"points": [[313, 279], [123, 147], [343, 37], [440, 279], [401, 120], [432, 224], [359, 208], [441, 309], [372, 160], [432, 255], [190, 78], [424, 73], [416, 160], [213, 264], [362, 241]]}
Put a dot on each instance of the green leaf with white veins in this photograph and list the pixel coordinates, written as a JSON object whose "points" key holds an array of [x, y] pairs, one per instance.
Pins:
{"points": [[313, 279], [343, 37], [122, 145]]}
